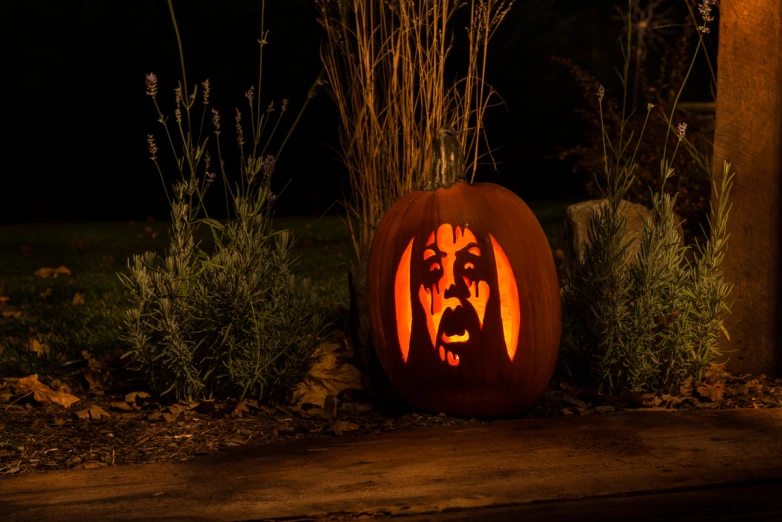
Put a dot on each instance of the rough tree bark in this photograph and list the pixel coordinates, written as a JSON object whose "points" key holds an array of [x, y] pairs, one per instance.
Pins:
{"points": [[748, 134]]}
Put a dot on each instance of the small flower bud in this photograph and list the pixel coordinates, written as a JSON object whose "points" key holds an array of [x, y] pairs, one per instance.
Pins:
{"points": [[239, 130], [152, 147], [152, 85], [216, 120], [205, 85], [681, 130], [268, 165]]}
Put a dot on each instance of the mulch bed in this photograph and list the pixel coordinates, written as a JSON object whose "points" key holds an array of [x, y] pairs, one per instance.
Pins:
{"points": [[109, 426]]}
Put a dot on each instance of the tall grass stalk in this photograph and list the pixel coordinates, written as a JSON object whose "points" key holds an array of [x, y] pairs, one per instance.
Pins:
{"points": [[385, 63]]}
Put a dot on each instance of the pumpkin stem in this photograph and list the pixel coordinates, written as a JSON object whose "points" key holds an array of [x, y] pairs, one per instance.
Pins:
{"points": [[447, 160]]}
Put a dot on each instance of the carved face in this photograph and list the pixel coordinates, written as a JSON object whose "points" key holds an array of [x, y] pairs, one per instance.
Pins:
{"points": [[458, 280]]}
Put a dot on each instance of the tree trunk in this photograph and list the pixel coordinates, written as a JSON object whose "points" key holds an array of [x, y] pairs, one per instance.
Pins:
{"points": [[748, 135]]}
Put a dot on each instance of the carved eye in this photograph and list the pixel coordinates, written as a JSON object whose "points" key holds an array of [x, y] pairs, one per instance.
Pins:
{"points": [[434, 266], [469, 266]]}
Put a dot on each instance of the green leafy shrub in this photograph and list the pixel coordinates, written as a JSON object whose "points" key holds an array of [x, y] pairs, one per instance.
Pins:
{"points": [[234, 322], [651, 321]]}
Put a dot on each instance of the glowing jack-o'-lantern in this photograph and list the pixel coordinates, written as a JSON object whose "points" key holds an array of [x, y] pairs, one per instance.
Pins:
{"points": [[463, 295]]}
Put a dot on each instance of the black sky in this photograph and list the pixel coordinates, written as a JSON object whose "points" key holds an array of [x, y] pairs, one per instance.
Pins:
{"points": [[76, 117]]}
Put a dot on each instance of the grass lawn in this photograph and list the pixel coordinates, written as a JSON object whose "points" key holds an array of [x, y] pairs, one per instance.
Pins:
{"points": [[67, 330], [70, 314]]}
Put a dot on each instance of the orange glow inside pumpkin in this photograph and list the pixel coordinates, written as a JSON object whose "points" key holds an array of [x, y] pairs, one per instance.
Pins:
{"points": [[509, 299], [404, 311], [449, 257]]}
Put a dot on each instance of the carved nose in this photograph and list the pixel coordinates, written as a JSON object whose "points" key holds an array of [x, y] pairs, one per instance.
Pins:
{"points": [[451, 298]]}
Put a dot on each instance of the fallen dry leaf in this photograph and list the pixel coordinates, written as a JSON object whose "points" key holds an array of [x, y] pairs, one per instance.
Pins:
{"points": [[42, 393], [78, 299], [176, 409], [57, 384], [327, 376], [686, 387], [712, 392], [34, 345], [240, 409], [46, 272], [96, 379], [574, 402], [5, 395], [5, 310], [9, 311], [94, 412], [341, 426], [97, 374], [132, 396], [121, 406]]}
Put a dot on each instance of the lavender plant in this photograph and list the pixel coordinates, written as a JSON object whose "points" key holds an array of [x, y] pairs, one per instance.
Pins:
{"points": [[650, 322], [652, 24], [236, 322]]}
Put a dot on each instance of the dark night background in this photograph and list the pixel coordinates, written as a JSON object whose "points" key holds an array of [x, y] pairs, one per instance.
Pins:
{"points": [[75, 116]]}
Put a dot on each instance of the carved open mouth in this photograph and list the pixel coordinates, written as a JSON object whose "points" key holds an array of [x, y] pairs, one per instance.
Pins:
{"points": [[454, 333], [455, 338], [452, 358]]}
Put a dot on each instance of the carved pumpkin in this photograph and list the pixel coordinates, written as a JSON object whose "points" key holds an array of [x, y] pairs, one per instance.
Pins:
{"points": [[464, 301]]}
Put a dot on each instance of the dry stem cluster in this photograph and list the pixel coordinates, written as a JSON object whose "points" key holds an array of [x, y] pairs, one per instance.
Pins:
{"points": [[385, 63]]}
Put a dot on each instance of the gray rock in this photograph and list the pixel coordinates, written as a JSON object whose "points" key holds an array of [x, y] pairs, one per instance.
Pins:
{"points": [[578, 216]]}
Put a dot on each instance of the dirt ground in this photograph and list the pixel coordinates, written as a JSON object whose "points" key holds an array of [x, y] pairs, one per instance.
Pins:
{"points": [[88, 419]]}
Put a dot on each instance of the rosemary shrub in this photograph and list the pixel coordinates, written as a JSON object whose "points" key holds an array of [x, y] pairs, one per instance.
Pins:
{"points": [[652, 322], [235, 322]]}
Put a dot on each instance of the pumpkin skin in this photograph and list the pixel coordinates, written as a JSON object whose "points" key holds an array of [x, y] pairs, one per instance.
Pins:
{"points": [[464, 301]]}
